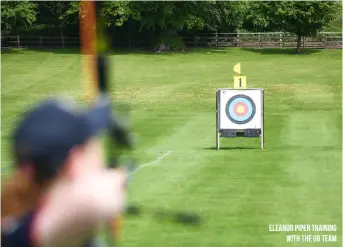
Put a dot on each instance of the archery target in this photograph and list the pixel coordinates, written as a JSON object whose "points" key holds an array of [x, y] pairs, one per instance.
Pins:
{"points": [[240, 109]]}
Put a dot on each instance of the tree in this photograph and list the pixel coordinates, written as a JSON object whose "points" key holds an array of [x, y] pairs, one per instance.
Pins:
{"points": [[165, 18], [335, 25], [116, 13], [225, 16], [17, 15], [166, 15], [54, 13], [298, 17]]}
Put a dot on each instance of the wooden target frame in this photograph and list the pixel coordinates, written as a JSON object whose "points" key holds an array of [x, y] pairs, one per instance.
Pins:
{"points": [[234, 132]]}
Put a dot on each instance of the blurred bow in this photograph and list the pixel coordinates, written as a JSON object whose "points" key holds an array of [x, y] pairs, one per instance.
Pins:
{"points": [[96, 64]]}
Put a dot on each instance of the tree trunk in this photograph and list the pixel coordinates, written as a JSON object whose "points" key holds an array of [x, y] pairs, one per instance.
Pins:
{"points": [[61, 30], [298, 44], [62, 38]]}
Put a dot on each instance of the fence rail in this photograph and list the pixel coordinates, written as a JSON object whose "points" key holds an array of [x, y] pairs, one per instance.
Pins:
{"points": [[39, 42], [267, 40]]}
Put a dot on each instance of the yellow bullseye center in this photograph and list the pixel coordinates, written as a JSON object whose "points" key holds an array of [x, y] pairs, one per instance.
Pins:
{"points": [[240, 109]]}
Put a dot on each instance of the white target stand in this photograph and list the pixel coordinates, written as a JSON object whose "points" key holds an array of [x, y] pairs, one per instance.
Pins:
{"points": [[239, 111]]}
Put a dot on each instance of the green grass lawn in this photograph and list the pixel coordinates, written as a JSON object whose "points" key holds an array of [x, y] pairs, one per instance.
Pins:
{"points": [[238, 190]]}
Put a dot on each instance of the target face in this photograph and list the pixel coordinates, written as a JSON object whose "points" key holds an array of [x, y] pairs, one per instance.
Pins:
{"points": [[240, 109]]}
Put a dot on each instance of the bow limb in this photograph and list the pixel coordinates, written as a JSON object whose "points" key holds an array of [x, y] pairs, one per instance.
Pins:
{"points": [[94, 64], [88, 41]]}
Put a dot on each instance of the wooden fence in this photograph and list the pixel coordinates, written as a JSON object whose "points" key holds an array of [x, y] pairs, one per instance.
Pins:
{"points": [[267, 40]]}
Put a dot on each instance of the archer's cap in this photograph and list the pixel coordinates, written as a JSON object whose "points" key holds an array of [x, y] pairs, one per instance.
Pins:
{"points": [[46, 134]]}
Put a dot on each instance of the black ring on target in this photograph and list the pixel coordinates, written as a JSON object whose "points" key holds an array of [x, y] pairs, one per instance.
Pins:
{"points": [[240, 109]]}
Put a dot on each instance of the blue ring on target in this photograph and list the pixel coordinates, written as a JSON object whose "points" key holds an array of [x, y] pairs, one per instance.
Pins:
{"points": [[249, 109]]}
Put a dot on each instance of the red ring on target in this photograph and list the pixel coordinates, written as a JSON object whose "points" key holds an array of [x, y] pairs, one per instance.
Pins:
{"points": [[240, 109]]}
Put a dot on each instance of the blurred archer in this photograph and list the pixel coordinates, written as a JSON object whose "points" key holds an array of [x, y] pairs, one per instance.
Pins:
{"points": [[61, 189]]}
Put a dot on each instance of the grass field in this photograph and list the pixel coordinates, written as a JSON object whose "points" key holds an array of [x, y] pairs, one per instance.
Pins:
{"points": [[238, 190]]}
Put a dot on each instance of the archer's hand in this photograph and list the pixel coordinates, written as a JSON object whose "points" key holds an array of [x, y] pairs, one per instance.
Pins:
{"points": [[106, 188], [114, 183]]}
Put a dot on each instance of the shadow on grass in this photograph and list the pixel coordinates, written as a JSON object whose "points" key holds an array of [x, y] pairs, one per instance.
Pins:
{"points": [[41, 50], [118, 51], [231, 148], [142, 51], [11, 51], [281, 51]]}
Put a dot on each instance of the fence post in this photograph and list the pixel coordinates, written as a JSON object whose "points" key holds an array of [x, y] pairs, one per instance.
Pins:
{"points": [[280, 42], [303, 42], [62, 40], [18, 41], [260, 40], [238, 41], [40, 41], [217, 39]]}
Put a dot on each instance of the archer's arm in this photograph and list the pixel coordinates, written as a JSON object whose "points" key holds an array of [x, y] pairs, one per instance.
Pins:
{"points": [[72, 215]]}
